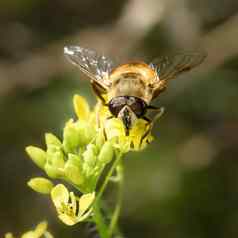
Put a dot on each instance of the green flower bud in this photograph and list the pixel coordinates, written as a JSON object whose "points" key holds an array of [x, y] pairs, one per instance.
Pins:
{"points": [[73, 169], [71, 137], [87, 170], [100, 139], [75, 160], [53, 172], [77, 135], [57, 159], [106, 153], [51, 139], [74, 174], [51, 149], [41, 185], [88, 132], [89, 155], [37, 155]]}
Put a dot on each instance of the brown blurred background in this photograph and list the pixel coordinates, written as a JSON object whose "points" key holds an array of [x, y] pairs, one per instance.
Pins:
{"points": [[184, 185]]}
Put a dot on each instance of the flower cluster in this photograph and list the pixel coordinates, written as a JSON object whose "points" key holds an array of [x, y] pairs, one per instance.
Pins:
{"points": [[88, 145], [38, 232], [77, 163]]}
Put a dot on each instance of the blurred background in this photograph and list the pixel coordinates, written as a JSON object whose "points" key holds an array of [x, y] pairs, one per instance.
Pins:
{"points": [[185, 184]]}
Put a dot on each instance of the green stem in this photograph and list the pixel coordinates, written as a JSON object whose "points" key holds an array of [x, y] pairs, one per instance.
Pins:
{"points": [[98, 218], [107, 178], [116, 213]]}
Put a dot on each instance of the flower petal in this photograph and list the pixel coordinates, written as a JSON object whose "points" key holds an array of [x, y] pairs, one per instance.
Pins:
{"points": [[85, 201], [41, 228], [47, 234], [68, 220], [9, 235], [29, 234], [114, 128], [85, 215], [38, 232], [81, 107], [137, 133], [59, 195]]}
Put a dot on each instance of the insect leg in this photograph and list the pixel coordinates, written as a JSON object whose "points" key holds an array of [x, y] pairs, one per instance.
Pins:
{"points": [[104, 130], [109, 117], [159, 113], [98, 90], [146, 119], [146, 132]]}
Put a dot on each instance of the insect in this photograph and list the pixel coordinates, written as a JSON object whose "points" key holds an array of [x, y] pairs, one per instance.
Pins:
{"points": [[131, 87]]}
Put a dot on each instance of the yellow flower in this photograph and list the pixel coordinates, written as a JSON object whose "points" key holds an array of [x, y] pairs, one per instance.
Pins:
{"points": [[39, 231], [134, 141], [139, 135], [9, 235], [82, 110], [71, 209]]}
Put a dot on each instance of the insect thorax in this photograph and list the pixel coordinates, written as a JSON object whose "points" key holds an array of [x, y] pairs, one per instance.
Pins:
{"points": [[132, 79], [129, 84]]}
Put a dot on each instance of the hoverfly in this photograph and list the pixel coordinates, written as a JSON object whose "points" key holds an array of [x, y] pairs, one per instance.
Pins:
{"points": [[130, 87]]}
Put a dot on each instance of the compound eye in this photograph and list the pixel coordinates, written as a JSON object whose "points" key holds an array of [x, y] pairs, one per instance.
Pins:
{"points": [[116, 104], [137, 105]]}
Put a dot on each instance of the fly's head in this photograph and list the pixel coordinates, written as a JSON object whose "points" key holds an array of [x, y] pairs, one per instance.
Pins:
{"points": [[128, 109]]}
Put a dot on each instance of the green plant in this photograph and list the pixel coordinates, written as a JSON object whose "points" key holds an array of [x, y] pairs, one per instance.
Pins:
{"points": [[89, 145]]}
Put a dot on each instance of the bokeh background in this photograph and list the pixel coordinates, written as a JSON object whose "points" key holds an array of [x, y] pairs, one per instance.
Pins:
{"points": [[184, 185]]}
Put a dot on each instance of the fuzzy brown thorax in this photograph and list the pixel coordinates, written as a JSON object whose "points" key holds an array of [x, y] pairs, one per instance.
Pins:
{"points": [[132, 79]]}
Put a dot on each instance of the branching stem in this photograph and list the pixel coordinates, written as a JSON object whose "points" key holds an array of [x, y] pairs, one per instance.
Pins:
{"points": [[103, 229]]}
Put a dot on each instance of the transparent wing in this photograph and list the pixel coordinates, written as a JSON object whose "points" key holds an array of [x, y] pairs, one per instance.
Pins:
{"points": [[97, 67], [168, 67]]}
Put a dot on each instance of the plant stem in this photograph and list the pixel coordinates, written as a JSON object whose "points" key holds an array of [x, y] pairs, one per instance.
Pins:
{"points": [[98, 218], [117, 209], [107, 178]]}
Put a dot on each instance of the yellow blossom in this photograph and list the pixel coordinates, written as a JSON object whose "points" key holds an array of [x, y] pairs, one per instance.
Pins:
{"points": [[9, 235], [39, 231], [139, 135], [70, 208]]}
